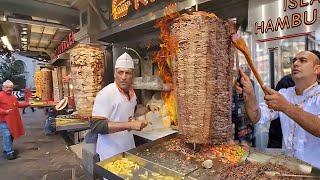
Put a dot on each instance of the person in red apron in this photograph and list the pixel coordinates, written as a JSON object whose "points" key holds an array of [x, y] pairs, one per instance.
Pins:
{"points": [[10, 121]]}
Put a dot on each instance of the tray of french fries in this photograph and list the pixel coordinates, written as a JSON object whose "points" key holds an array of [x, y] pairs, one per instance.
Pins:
{"points": [[129, 166], [74, 122], [77, 117], [42, 104]]}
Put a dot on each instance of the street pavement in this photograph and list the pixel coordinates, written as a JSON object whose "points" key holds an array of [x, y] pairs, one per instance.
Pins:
{"points": [[39, 156]]}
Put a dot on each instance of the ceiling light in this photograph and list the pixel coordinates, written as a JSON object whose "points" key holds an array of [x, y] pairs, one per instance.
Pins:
{"points": [[6, 42], [40, 58], [24, 28], [24, 39], [24, 32]]}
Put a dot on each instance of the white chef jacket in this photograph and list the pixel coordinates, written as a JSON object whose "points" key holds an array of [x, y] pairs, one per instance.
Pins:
{"points": [[298, 142], [115, 106]]}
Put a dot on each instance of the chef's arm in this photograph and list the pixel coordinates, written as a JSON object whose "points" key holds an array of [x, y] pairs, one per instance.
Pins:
{"points": [[245, 87], [99, 127], [306, 120], [252, 108], [108, 127], [119, 126], [309, 122]]}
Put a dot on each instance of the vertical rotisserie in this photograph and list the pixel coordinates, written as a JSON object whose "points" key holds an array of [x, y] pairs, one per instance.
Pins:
{"points": [[203, 79], [86, 71]]}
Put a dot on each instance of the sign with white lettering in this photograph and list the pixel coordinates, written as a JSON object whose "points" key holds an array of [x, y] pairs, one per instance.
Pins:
{"points": [[280, 19], [65, 44]]}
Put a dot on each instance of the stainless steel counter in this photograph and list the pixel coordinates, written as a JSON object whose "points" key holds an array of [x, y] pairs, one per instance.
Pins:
{"points": [[159, 154]]}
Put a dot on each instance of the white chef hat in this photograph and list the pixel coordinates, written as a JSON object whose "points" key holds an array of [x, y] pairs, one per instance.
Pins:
{"points": [[124, 61], [7, 83]]}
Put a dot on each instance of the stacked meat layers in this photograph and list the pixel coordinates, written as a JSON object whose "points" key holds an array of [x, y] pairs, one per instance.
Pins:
{"points": [[203, 79], [86, 71], [55, 82], [46, 86], [38, 82]]}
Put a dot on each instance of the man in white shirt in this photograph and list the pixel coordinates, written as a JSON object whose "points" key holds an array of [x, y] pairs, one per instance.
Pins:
{"points": [[116, 102], [298, 108]]}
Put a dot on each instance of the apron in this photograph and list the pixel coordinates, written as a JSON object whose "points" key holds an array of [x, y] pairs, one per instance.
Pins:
{"points": [[112, 144], [13, 119]]}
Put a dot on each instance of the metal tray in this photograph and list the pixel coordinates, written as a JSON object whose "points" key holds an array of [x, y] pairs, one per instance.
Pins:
{"points": [[81, 118], [145, 166], [156, 152], [42, 105], [177, 162], [71, 124]]}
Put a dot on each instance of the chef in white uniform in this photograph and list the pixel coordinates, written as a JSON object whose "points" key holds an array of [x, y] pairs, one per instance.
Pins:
{"points": [[298, 108], [117, 102]]}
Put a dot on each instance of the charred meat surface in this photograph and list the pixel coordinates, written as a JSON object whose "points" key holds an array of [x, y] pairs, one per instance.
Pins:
{"points": [[203, 78]]}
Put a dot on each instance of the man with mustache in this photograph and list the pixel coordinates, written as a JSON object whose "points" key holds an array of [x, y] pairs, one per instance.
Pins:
{"points": [[116, 102], [298, 107], [10, 120]]}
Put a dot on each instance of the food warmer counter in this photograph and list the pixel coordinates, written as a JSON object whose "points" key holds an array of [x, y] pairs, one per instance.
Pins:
{"points": [[168, 158]]}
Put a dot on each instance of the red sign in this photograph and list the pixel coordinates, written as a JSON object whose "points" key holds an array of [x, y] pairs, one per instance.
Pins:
{"points": [[65, 45], [283, 19]]}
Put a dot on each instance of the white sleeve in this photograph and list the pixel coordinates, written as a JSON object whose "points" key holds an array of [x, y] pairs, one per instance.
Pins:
{"points": [[102, 105], [267, 114], [317, 105]]}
